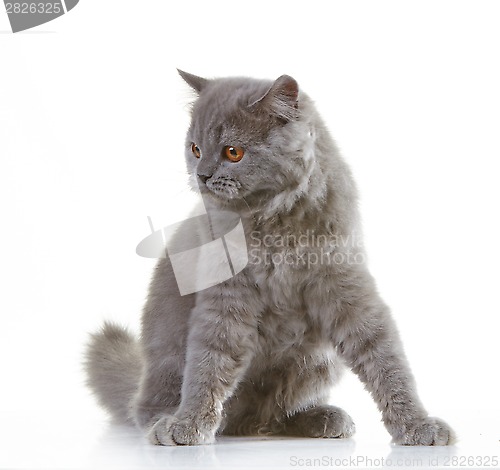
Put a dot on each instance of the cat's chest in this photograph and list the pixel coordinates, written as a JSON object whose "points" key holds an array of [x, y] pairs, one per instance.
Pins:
{"points": [[283, 273], [282, 266], [281, 288], [278, 277]]}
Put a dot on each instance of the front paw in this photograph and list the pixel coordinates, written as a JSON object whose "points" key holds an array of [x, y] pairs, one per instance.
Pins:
{"points": [[427, 432], [171, 431]]}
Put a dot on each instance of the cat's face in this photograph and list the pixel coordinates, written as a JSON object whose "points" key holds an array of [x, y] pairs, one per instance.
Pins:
{"points": [[247, 141]]}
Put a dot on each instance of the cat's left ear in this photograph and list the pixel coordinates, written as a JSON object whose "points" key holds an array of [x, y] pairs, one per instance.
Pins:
{"points": [[282, 99], [195, 82]]}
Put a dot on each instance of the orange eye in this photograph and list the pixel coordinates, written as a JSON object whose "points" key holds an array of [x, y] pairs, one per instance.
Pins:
{"points": [[196, 150], [235, 154]]}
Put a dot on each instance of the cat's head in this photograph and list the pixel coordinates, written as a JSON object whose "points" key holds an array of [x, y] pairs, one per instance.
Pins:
{"points": [[249, 140]]}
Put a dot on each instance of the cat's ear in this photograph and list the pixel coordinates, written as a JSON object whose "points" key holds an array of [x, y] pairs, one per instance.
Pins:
{"points": [[282, 99], [195, 82]]}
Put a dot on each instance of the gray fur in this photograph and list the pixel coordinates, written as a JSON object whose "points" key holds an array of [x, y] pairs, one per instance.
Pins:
{"points": [[113, 364], [260, 352]]}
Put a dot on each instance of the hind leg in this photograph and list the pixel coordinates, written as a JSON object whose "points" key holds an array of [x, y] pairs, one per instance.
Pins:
{"points": [[287, 399], [320, 421], [317, 421]]}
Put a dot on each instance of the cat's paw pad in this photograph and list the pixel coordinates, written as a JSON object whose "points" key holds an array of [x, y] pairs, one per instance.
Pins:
{"points": [[170, 431], [325, 421], [428, 432]]}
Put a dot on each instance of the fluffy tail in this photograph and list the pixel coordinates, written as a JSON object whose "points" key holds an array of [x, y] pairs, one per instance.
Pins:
{"points": [[113, 367]]}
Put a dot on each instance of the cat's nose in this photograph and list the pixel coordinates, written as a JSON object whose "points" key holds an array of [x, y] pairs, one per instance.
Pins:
{"points": [[204, 178]]}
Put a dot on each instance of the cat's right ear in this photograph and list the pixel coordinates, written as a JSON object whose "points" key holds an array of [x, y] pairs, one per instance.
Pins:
{"points": [[195, 82]]}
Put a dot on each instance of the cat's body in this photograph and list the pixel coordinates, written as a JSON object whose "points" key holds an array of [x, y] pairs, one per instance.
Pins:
{"points": [[259, 353]]}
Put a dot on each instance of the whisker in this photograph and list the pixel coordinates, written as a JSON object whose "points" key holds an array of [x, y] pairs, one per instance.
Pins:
{"points": [[250, 210]]}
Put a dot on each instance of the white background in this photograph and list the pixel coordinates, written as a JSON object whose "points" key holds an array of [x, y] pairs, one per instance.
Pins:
{"points": [[92, 123]]}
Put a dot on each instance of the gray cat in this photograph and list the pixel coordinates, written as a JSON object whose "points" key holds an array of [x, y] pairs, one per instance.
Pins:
{"points": [[259, 352]]}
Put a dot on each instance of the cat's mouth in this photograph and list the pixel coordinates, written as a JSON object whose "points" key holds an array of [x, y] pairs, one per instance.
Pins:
{"points": [[223, 188], [228, 192]]}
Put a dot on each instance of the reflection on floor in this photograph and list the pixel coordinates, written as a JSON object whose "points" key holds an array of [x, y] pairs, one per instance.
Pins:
{"points": [[55, 441]]}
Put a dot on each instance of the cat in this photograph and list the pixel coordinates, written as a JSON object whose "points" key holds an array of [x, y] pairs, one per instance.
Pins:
{"points": [[259, 352]]}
